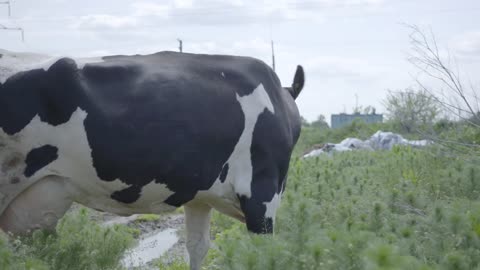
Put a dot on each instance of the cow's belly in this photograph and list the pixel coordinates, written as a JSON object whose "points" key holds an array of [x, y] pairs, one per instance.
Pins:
{"points": [[220, 197], [151, 200]]}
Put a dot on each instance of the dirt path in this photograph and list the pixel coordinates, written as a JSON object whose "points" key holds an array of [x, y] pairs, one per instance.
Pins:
{"points": [[154, 234]]}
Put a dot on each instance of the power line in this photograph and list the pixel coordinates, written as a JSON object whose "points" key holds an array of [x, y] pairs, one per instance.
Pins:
{"points": [[273, 57], [9, 8], [3, 27]]}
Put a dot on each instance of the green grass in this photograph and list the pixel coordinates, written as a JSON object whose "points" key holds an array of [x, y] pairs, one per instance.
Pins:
{"points": [[400, 209], [177, 263], [147, 218], [77, 243]]}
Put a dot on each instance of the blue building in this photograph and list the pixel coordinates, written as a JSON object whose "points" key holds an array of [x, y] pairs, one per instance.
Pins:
{"points": [[343, 119]]}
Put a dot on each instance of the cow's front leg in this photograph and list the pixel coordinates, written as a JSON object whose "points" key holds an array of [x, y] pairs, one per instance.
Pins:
{"points": [[197, 222]]}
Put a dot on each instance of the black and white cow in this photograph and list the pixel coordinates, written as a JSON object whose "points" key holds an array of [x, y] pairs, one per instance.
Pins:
{"points": [[147, 134]]}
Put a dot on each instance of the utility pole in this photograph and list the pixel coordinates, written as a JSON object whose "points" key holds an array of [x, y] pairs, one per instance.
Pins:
{"points": [[273, 57], [9, 8], [356, 103], [180, 45]]}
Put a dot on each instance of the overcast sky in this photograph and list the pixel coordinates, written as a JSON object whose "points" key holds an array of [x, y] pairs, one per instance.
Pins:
{"points": [[347, 47]]}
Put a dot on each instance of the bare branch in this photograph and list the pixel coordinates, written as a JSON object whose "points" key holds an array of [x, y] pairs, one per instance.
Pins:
{"points": [[448, 91], [427, 57]]}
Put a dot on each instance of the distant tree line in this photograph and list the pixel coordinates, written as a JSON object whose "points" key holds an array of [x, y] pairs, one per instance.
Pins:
{"points": [[321, 122]]}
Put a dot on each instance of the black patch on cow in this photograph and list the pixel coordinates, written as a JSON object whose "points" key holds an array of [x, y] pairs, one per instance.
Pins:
{"points": [[224, 173], [53, 95], [271, 148], [128, 195], [40, 157], [179, 198], [165, 117]]}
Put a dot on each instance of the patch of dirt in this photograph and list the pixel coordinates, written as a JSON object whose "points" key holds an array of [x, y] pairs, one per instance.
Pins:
{"points": [[169, 221], [173, 220], [148, 227]]}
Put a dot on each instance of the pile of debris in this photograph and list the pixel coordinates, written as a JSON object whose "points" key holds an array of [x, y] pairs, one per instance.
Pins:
{"points": [[379, 141]]}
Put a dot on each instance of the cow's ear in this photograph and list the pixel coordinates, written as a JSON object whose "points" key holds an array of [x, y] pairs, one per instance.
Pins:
{"points": [[298, 82]]}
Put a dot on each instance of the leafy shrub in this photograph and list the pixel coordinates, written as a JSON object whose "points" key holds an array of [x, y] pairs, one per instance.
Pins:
{"points": [[147, 218], [77, 243]]}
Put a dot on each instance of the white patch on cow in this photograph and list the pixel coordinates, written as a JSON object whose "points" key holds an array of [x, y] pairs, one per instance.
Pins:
{"points": [[240, 161], [223, 196], [223, 74], [272, 206], [152, 199], [74, 163]]}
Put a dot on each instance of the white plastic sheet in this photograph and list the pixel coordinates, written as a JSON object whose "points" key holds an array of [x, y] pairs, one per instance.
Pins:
{"points": [[379, 141]]}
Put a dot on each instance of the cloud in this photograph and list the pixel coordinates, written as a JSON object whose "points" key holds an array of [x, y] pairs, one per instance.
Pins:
{"points": [[364, 2], [104, 21], [220, 12], [251, 47], [146, 9], [351, 69], [143, 14], [208, 47], [467, 44], [256, 44], [183, 3]]}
